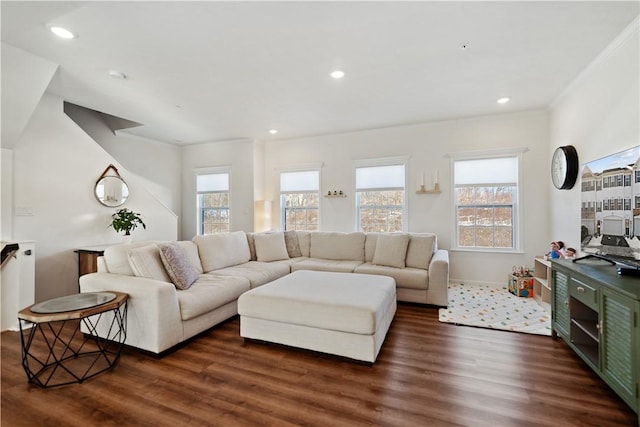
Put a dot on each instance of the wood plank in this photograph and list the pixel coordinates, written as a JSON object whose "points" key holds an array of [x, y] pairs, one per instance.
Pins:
{"points": [[428, 373]]}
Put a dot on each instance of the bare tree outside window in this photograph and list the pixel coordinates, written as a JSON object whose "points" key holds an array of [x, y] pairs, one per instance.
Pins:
{"points": [[486, 202], [213, 203], [300, 211], [300, 200], [485, 216], [380, 198], [381, 211], [214, 212]]}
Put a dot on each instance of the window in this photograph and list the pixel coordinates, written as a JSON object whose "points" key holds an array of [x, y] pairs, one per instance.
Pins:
{"points": [[380, 198], [486, 202], [300, 200], [213, 202]]}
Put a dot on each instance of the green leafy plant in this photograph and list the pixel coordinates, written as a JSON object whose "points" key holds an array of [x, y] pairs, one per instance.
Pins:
{"points": [[126, 220]]}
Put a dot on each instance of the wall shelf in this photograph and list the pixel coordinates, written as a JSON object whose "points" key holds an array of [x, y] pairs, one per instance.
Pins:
{"points": [[435, 190], [335, 196]]}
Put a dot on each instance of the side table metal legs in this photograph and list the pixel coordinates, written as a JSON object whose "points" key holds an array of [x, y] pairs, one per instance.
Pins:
{"points": [[57, 353]]}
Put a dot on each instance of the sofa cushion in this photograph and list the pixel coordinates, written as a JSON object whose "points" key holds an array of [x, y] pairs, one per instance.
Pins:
{"points": [[291, 242], [338, 246], [370, 246], [208, 293], [420, 250], [117, 260], [191, 250], [325, 265], [414, 278], [304, 241], [222, 250], [145, 262], [177, 264], [252, 247], [270, 246], [391, 250], [258, 273]]}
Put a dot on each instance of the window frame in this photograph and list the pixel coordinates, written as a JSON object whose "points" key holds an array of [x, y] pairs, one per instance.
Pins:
{"points": [[377, 162], [518, 204], [211, 171], [282, 208]]}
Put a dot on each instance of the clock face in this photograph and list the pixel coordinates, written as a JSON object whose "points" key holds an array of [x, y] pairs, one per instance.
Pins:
{"points": [[558, 168], [564, 167]]}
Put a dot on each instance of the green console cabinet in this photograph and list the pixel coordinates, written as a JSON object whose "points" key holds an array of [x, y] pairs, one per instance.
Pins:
{"points": [[596, 311]]}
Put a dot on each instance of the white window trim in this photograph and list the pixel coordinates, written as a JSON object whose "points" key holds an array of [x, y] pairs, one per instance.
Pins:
{"points": [[209, 171], [301, 168], [518, 227], [383, 161]]}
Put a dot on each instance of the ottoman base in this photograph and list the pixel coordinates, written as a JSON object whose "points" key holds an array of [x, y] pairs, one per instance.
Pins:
{"points": [[358, 346]]}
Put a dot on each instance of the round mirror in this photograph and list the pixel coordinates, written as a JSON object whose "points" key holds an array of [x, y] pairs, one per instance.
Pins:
{"points": [[111, 191]]}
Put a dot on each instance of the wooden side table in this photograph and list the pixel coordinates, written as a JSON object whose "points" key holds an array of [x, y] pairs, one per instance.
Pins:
{"points": [[88, 258], [71, 339]]}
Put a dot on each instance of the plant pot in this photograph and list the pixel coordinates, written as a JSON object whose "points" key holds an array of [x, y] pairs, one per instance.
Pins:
{"points": [[127, 238]]}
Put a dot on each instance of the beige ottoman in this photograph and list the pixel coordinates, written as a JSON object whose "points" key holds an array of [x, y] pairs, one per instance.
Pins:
{"points": [[345, 314]]}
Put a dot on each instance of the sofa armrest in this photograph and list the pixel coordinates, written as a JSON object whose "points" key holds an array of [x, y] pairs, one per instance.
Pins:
{"points": [[153, 314], [439, 278]]}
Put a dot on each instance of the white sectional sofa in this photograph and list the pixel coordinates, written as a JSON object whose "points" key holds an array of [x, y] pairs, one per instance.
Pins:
{"points": [[180, 289]]}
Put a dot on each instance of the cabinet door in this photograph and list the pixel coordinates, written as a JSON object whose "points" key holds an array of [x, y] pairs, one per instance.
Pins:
{"points": [[560, 303], [617, 344]]}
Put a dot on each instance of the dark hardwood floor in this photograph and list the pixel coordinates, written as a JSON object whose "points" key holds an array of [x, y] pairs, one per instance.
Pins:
{"points": [[427, 374]]}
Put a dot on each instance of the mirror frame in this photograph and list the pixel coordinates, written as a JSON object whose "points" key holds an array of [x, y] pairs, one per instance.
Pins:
{"points": [[115, 200]]}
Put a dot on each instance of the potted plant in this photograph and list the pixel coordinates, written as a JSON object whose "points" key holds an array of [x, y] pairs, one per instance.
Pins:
{"points": [[126, 220]]}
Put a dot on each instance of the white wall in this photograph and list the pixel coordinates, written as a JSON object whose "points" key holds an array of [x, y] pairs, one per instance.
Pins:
{"points": [[6, 194], [599, 114], [239, 155], [427, 146], [55, 166], [25, 77], [157, 165]]}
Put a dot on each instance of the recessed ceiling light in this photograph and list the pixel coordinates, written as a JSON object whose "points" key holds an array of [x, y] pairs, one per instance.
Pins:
{"points": [[63, 33], [503, 100], [337, 74], [273, 131], [464, 46], [117, 74]]}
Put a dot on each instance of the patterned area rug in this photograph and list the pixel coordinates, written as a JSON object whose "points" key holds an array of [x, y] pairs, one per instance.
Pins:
{"points": [[494, 308]]}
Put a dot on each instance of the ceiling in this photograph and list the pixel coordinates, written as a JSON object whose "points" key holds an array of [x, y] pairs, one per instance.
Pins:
{"points": [[216, 71]]}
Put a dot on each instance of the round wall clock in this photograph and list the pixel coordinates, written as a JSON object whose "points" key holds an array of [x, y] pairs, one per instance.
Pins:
{"points": [[564, 167]]}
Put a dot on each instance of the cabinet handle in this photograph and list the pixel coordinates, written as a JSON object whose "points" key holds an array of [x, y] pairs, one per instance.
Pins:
{"points": [[580, 289], [566, 302], [600, 327]]}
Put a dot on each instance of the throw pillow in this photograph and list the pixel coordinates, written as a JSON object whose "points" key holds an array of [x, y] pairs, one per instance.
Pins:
{"points": [[270, 246], [177, 264], [191, 249], [220, 250], [252, 247], [291, 242], [420, 250], [391, 250], [145, 262]]}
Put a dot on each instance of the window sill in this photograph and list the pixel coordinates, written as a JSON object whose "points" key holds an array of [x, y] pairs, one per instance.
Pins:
{"points": [[489, 250]]}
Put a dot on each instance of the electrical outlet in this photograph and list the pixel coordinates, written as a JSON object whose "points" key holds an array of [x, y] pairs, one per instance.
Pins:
{"points": [[24, 210]]}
